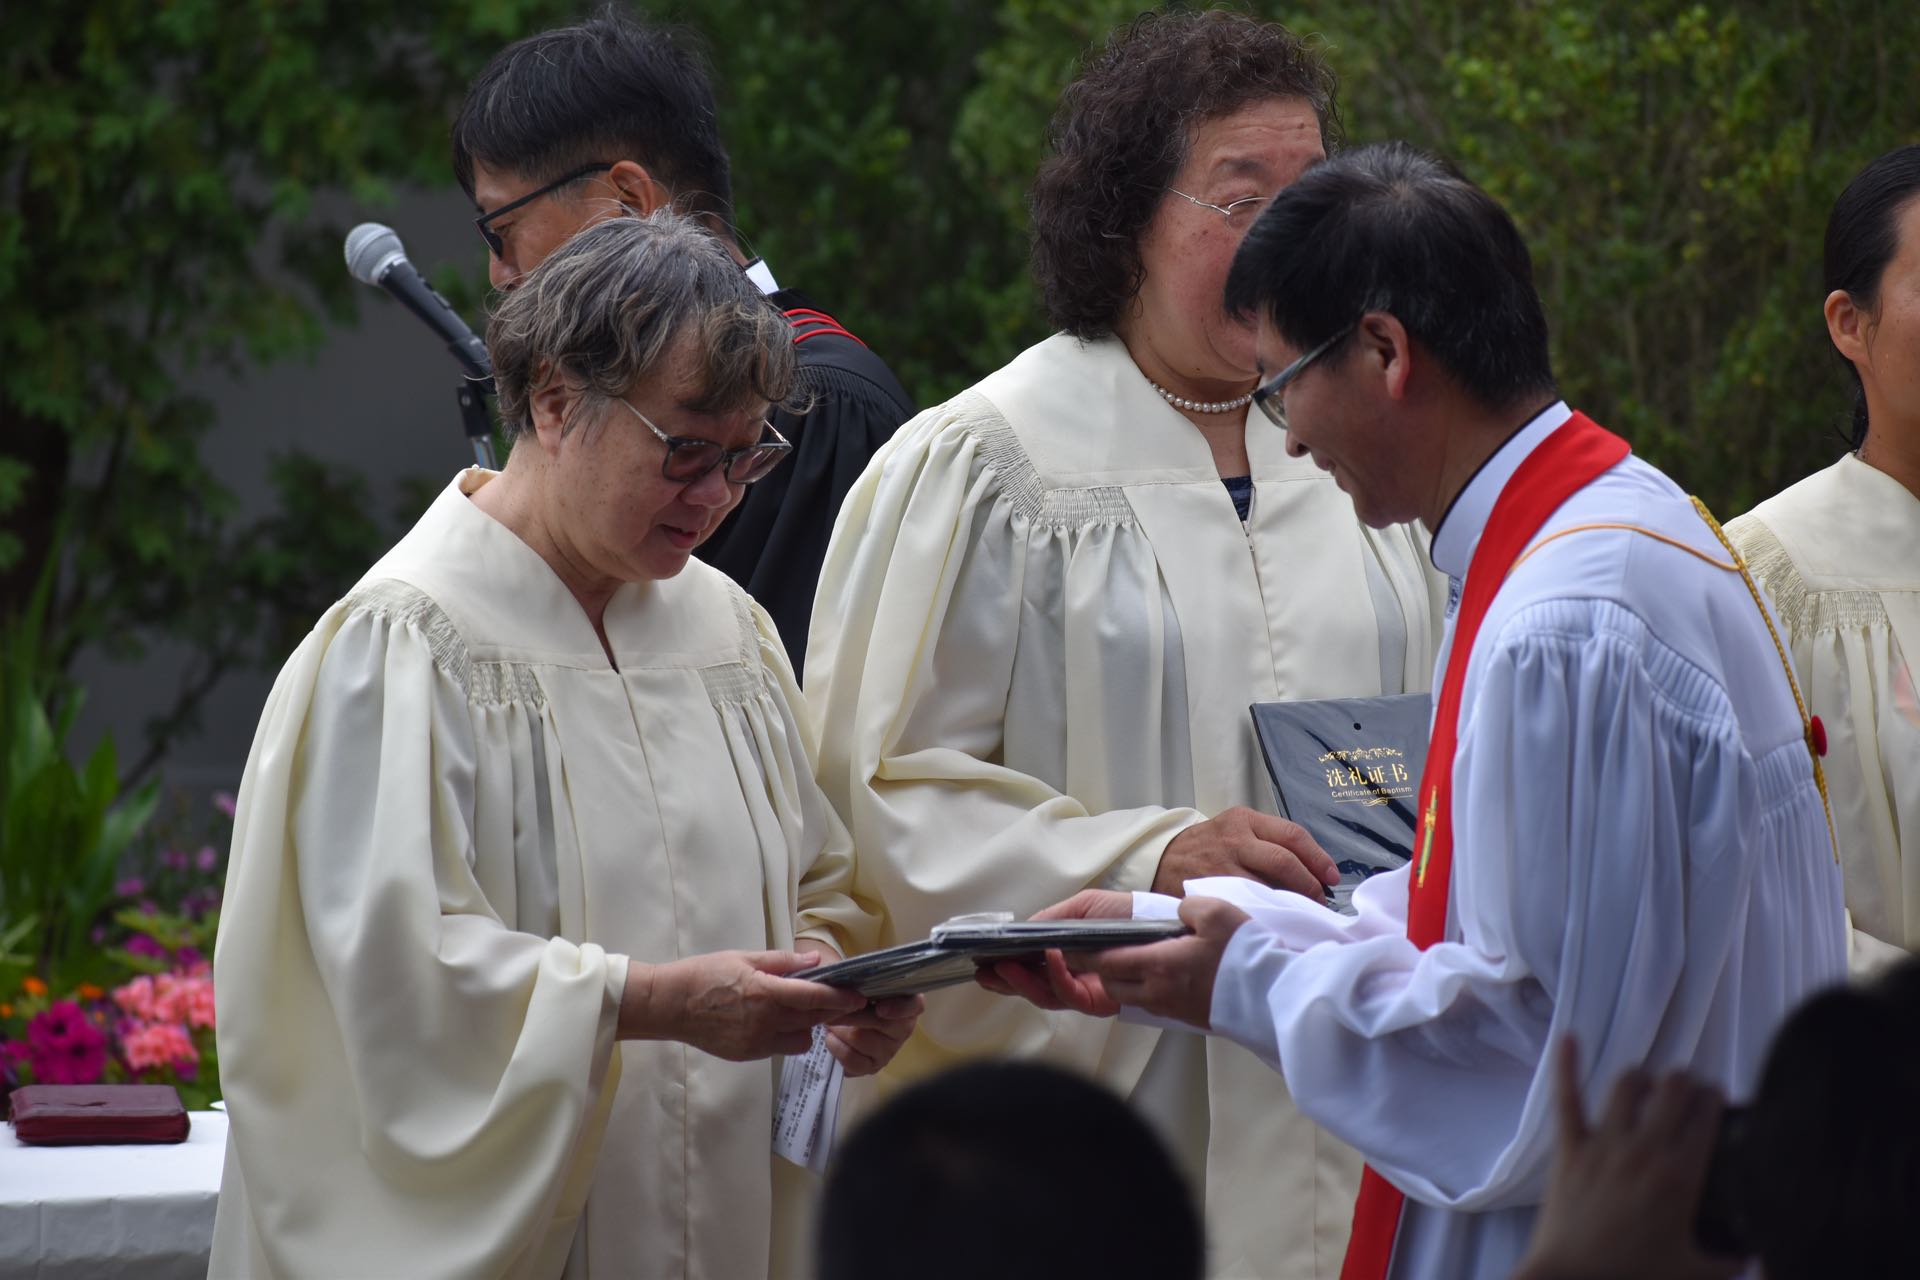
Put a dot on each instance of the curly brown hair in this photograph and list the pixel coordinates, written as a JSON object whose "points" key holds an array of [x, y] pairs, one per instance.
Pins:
{"points": [[1121, 132]]}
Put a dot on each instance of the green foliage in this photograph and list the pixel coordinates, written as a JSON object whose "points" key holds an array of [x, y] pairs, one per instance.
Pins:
{"points": [[1671, 164], [163, 166], [63, 830]]}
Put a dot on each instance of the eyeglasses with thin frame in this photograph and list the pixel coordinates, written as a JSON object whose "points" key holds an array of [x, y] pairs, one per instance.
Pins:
{"points": [[690, 458], [1237, 213], [1267, 394], [485, 221]]}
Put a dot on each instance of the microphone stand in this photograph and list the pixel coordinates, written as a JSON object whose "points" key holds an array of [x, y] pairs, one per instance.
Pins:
{"points": [[475, 420]]}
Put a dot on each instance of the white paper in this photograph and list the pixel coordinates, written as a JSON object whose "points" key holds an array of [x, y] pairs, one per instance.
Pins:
{"points": [[807, 1110]]}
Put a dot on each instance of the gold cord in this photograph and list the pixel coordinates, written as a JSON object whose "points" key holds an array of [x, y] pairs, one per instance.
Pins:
{"points": [[1806, 720], [1738, 565]]}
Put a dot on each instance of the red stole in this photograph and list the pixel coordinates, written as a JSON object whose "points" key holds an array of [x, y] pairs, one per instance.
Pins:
{"points": [[1566, 462]]}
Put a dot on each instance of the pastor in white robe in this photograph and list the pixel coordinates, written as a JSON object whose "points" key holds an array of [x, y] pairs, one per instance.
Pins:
{"points": [[1839, 557], [458, 823], [1039, 628], [1640, 858]]}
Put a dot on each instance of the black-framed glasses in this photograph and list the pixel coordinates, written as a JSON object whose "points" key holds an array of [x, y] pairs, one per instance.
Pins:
{"points": [[1267, 394], [484, 222], [1238, 213], [690, 458]]}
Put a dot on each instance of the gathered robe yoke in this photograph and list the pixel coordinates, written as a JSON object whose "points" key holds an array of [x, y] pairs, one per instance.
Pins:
{"points": [[457, 825], [1839, 557], [1640, 858], [1039, 628]]}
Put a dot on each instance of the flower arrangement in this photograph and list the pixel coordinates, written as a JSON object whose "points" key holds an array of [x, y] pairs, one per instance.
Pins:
{"points": [[141, 1009]]}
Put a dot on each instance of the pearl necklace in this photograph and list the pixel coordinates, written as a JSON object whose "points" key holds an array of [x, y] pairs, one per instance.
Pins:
{"points": [[1201, 406]]}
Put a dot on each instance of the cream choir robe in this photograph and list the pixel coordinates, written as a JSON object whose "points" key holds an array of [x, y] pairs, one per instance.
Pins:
{"points": [[457, 824], [1640, 857], [1039, 628], [1839, 556]]}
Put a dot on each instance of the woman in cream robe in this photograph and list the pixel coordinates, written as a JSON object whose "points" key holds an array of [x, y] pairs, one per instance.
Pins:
{"points": [[499, 812], [1839, 556], [1042, 619]]}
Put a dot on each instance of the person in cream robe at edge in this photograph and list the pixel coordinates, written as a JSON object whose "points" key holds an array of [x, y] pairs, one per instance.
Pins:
{"points": [[1839, 556], [1049, 602], [529, 851]]}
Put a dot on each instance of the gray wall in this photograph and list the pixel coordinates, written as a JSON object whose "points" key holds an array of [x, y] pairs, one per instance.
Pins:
{"points": [[379, 398]]}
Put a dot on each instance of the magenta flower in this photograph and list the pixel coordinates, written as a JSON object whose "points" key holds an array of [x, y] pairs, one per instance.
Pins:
{"points": [[207, 859], [131, 887], [63, 1047], [223, 801], [141, 944]]}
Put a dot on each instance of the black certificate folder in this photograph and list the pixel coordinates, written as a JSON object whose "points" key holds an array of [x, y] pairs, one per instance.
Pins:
{"points": [[955, 949], [1348, 770]]}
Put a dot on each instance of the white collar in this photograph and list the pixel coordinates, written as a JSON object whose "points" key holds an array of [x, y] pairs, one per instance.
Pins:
{"points": [[762, 276], [1459, 531]]}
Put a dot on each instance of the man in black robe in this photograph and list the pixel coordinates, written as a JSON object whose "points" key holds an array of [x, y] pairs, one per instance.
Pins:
{"points": [[583, 123]]}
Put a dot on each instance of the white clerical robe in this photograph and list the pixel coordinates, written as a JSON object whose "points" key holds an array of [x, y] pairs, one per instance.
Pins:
{"points": [[1641, 859], [457, 825], [1839, 557], [1039, 628]]}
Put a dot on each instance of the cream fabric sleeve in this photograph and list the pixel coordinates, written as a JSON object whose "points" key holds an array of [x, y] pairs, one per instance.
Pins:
{"points": [[1854, 671], [915, 631], [1849, 661], [822, 891], [414, 1088]]}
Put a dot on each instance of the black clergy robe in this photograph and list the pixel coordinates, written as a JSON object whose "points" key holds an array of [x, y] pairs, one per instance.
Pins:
{"points": [[773, 542]]}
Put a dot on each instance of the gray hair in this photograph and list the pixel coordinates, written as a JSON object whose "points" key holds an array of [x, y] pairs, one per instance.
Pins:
{"points": [[608, 308]]}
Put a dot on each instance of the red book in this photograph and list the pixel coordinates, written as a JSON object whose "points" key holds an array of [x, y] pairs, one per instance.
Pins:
{"points": [[68, 1115]]}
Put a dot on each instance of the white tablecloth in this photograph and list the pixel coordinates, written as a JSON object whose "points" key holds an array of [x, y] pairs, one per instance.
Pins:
{"points": [[81, 1213]]}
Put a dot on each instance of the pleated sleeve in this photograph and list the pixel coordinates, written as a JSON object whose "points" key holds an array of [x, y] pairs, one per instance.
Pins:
{"points": [[1629, 881], [382, 1031], [945, 569], [780, 741]]}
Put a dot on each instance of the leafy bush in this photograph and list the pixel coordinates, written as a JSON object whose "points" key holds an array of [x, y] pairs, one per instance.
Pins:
{"points": [[139, 1008]]}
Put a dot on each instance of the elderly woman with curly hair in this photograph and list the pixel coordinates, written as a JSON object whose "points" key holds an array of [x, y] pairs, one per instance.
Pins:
{"points": [[1049, 602], [529, 860]]}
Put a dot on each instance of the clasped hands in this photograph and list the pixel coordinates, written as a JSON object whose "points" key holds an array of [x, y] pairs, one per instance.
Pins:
{"points": [[1173, 979]]}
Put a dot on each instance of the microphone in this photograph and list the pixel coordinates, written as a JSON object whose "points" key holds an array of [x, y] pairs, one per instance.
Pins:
{"points": [[376, 257]]}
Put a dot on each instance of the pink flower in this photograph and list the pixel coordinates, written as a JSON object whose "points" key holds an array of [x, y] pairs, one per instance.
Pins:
{"points": [[131, 887], [197, 1002], [63, 1047], [157, 1044], [207, 859], [136, 998], [223, 801]]}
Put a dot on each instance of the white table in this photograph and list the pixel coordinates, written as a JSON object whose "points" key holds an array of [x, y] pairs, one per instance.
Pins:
{"points": [[68, 1213]]}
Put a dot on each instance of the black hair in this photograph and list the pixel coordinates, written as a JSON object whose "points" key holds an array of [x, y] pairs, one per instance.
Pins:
{"points": [[1389, 228], [1120, 133], [611, 88], [1863, 235], [996, 1169], [1832, 1169]]}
